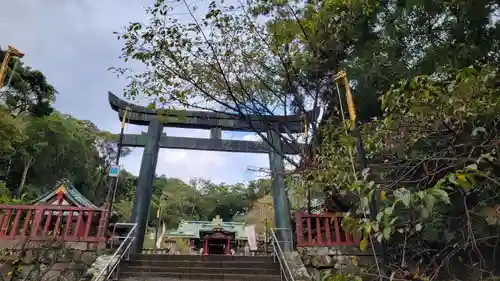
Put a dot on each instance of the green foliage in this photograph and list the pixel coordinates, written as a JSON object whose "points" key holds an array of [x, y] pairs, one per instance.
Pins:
{"points": [[51, 148], [11, 132], [198, 200], [39, 147], [5, 197], [265, 55], [182, 245], [341, 277], [28, 91], [432, 172], [432, 148], [39, 150], [261, 214]]}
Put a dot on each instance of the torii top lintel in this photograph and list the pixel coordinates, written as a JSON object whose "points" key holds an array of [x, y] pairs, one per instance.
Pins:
{"points": [[192, 119]]}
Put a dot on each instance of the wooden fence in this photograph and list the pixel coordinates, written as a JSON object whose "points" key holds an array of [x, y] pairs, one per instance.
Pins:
{"points": [[62, 223], [321, 230]]}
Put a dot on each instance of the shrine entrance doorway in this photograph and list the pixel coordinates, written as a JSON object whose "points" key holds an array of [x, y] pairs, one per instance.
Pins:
{"points": [[217, 244]]}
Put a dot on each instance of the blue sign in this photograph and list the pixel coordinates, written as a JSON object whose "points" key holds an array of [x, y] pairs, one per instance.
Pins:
{"points": [[114, 171]]}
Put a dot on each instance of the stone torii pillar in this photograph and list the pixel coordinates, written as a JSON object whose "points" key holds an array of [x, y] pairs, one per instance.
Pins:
{"points": [[144, 189], [153, 140], [279, 192]]}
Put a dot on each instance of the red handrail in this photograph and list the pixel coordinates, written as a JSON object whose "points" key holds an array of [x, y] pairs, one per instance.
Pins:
{"points": [[42, 222], [321, 230]]}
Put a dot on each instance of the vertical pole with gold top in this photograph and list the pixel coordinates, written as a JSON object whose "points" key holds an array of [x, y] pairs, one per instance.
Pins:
{"points": [[114, 181], [341, 79], [10, 53]]}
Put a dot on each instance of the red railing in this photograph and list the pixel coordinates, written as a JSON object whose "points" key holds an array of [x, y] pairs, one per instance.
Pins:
{"points": [[43, 222], [321, 230]]}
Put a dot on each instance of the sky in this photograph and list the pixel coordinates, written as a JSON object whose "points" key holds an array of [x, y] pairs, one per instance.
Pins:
{"points": [[71, 42]]}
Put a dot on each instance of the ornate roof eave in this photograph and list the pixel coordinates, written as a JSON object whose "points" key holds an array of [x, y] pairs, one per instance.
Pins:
{"points": [[69, 191]]}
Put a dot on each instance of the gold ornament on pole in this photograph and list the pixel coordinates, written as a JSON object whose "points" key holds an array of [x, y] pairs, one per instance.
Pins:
{"points": [[11, 52], [341, 79]]}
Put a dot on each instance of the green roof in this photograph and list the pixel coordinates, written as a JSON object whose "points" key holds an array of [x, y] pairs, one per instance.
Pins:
{"points": [[73, 196], [191, 229]]}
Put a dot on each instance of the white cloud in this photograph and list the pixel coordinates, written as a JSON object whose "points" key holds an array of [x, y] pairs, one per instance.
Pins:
{"points": [[187, 164]]}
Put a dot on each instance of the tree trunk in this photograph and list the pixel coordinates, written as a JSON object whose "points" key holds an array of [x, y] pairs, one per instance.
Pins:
{"points": [[27, 165]]}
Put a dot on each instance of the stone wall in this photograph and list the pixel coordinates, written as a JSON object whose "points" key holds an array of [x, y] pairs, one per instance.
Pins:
{"points": [[48, 261], [296, 265], [58, 271], [331, 260]]}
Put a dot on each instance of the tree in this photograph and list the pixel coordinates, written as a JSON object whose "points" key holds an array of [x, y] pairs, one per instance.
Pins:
{"points": [[106, 147], [380, 42], [198, 200], [12, 134], [377, 41], [12, 131], [267, 57], [178, 201], [38, 130], [28, 91], [54, 147], [235, 68], [39, 146], [258, 189], [261, 212], [432, 156]]}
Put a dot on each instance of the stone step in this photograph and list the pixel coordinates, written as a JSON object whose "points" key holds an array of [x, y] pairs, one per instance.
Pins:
{"points": [[201, 258], [149, 278], [200, 270], [127, 275], [198, 263]]}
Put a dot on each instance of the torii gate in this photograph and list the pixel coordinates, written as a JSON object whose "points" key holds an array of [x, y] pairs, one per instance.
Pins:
{"points": [[154, 139]]}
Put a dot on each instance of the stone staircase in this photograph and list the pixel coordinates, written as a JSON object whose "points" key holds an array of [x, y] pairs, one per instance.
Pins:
{"points": [[151, 267]]}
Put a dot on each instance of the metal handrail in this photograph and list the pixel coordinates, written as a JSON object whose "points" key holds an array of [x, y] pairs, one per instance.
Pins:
{"points": [[125, 245], [278, 252]]}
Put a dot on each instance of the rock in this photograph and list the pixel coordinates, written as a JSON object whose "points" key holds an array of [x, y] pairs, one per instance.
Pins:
{"points": [[302, 251], [100, 263], [333, 251], [319, 251], [330, 260], [321, 261], [340, 258], [88, 257], [326, 271], [314, 273], [306, 260], [297, 268], [76, 266]]}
